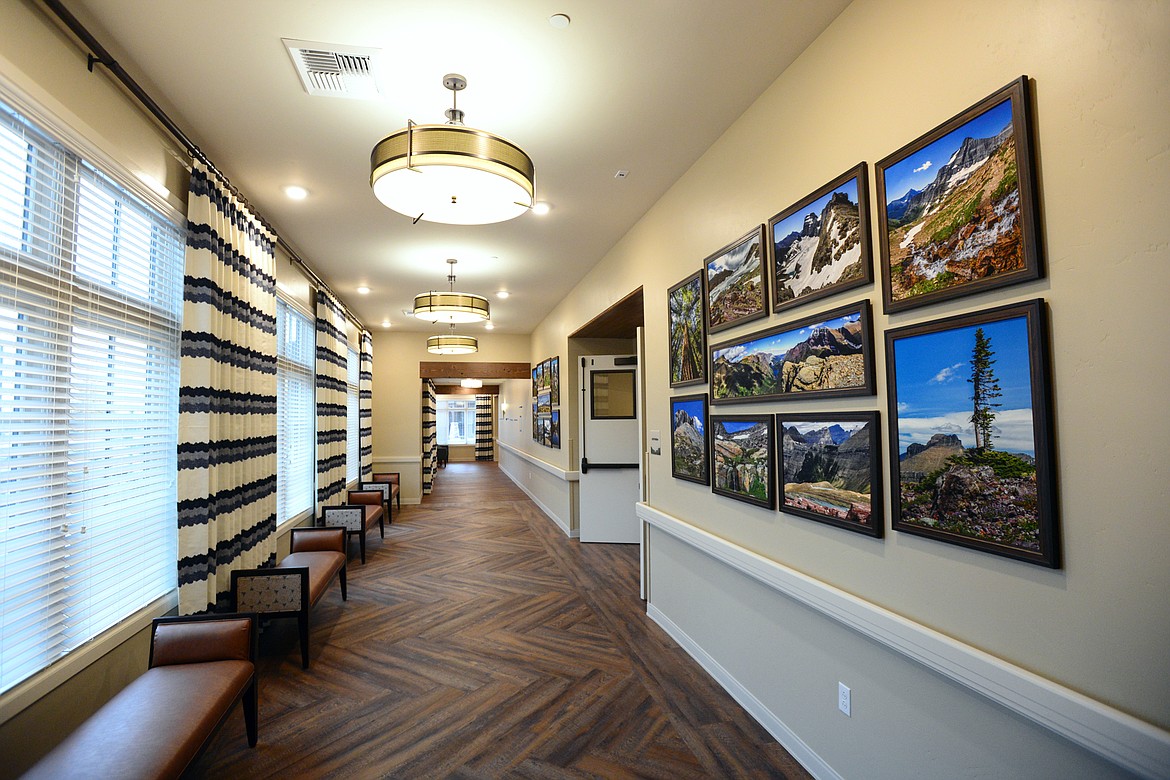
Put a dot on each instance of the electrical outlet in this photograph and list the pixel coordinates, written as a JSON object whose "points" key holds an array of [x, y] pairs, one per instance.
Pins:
{"points": [[843, 699]]}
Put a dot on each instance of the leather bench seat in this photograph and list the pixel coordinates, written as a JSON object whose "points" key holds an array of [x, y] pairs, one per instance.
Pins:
{"points": [[158, 724]]}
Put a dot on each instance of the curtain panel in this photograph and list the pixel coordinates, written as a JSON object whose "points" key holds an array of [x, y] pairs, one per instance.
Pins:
{"points": [[227, 395], [484, 428], [430, 442], [366, 406], [332, 393]]}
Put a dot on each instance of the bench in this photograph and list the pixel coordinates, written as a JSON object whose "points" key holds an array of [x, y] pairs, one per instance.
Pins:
{"points": [[156, 726], [390, 478], [388, 492], [294, 585], [357, 519]]}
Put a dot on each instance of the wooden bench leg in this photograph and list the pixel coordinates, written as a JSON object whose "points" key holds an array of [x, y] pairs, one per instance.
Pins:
{"points": [[362, 546], [251, 709], [303, 625], [341, 576]]}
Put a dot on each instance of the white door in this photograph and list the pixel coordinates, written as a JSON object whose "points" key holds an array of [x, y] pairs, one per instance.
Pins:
{"points": [[610, 459]]}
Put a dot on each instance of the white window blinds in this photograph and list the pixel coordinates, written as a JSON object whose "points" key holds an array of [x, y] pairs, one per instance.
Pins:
{"points": [[353, 442], [296, 414], [90, 306]]}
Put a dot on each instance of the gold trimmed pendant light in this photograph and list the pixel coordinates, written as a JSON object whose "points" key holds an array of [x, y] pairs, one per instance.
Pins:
{"points": [[451, 306], [450, 173], [452, 344]]}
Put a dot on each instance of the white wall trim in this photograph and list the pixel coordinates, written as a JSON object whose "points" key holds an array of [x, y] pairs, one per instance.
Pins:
{"points": [[556, 471], [756, 708], [1114, 735], [396, 458], [562, 524]]}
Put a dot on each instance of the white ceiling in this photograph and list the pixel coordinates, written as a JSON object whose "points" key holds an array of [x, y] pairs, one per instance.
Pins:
{"points": [[638, 85]]}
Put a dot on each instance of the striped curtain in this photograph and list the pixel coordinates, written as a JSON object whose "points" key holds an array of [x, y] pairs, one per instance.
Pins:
{"points": [[430, 443], [332, 392], [484, 430], [366, 405], [227, 395]]}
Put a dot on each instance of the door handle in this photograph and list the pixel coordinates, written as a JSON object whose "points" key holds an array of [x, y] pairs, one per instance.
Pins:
{"points": [[586, 465]]}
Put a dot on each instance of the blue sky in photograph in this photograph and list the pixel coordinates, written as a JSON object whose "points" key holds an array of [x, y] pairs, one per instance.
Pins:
{"points": [[735, 426], [795, 222], [782, 342], [934, 395], [692, 408], [802, 427], [920, 168]]}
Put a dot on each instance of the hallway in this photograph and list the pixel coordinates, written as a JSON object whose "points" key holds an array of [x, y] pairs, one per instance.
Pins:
{"points": [[479, 642]]}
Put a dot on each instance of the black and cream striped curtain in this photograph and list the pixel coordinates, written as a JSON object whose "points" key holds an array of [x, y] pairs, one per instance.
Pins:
{"points": [[484, 429], [332, 392], [430, 444], [227, 396], [366, 406]]}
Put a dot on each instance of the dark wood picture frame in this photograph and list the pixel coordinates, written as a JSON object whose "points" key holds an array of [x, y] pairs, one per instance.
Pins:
{"points": [[806, 240], [554, 380], [731, 462], [686, 331], [844, 333], [995, 496], [827, 479], [751, 283], [690, 456], [975, 224]]}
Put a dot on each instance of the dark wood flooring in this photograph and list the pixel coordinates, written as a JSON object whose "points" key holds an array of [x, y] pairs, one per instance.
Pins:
{"points": [[478, 641]]}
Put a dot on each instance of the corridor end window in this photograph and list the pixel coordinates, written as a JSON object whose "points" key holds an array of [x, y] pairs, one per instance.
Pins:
{"points": [[353, 441], [90, 307], [455, 419]]}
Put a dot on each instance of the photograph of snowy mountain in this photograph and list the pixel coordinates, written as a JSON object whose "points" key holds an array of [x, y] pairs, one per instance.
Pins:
{"points": [[957, 211], [968, 431], [822, 243], [688, 438], [828, 354], [736, 283], [829, 469], [742, 456]]}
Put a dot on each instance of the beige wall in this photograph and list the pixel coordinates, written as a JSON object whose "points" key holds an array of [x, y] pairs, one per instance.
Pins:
{"points": [[882, 74]]}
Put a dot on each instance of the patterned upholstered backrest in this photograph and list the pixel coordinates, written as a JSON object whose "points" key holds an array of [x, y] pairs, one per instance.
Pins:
{"points": [[268, 590], [381, 487], [352, 518]]}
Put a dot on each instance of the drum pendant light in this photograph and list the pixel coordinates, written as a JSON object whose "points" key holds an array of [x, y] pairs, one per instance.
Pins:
{"points": [[450, 173]]}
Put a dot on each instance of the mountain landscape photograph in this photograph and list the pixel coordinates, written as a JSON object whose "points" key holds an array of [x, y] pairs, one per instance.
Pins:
{"points": [[818, 356], [735, 282], [828, 467], [742, 458], [952, 211], [965, 433], [688, 438], [822, 244]]}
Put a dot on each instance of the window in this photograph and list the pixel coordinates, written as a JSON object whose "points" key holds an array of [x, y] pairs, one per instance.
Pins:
{"points": [[296, 414], [353, 442], [90, 307], [455, 419]]}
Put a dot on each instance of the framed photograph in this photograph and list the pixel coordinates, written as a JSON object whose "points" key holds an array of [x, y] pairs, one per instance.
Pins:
{"points": [[554, 380], [554, 430], [535, 422], [957, 208], [544, 403], [545, 375], [971, 432], [742, 457], [736, 284], [830, 469], [829, 354], [537, 377], [688, 438], [821, 245], [545, 422], [686, 331]]}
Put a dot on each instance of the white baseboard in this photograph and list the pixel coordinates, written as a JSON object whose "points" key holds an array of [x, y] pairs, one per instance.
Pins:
{"points": [[564, 526], [1116, 736]]}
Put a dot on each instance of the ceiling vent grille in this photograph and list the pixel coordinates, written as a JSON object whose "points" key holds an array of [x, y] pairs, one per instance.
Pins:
{"points": [[334, 70]]}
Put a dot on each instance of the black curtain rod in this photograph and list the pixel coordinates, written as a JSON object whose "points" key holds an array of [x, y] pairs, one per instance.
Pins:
{"points": [[99, 55]]}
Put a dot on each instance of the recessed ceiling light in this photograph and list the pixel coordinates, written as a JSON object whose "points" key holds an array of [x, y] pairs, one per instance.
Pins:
{"points": [[489, 326], [385, 323], [502, 294], [363, 290], [296, 192], [559, 21], [540, 208]]}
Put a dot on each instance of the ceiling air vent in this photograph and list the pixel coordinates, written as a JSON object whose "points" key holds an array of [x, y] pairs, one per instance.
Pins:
{"points": [[335, 70]]}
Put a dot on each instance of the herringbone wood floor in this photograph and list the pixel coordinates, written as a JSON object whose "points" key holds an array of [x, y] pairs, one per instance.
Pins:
{"points": [[478, 641]]}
